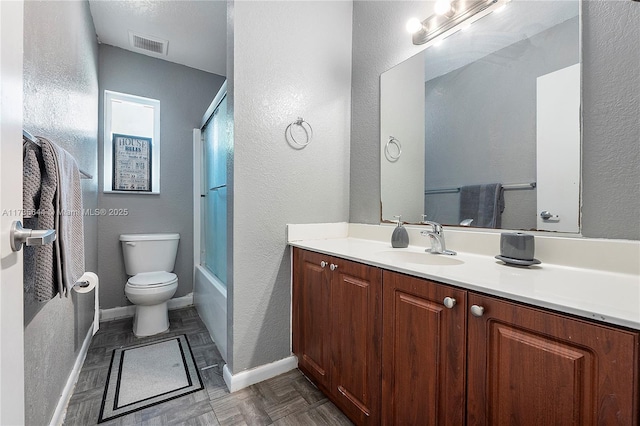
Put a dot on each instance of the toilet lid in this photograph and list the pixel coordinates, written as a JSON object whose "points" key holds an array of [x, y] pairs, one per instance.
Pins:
{"points": [[152, 279]]}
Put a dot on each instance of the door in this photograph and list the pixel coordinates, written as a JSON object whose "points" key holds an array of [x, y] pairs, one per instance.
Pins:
{"points": [[423, 352], [312, 315], [531, 367], [215, 139], [11, 304], [558, 150], [356, 335]]}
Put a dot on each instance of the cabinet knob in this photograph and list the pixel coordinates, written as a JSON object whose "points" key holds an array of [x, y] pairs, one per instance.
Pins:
{"points": [[323, 264], [333, 267], [477, 311], [449, 302]]}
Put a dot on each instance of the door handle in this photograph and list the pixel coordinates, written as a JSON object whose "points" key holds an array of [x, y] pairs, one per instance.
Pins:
{"points": [[31, 237], [547, 215]]}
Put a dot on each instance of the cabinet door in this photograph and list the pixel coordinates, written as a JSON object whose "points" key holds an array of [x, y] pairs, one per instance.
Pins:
{"points": [[531, 367], [356, 342], [423, 352], [311, 315]]}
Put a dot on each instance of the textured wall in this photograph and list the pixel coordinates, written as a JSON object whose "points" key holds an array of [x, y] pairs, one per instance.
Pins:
{"points": [[611, 122], [184, 94], [611, 93], [60, 103], [291, 59]]}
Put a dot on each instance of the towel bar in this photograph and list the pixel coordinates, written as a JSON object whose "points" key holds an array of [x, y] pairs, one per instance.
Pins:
{"points": [[507, 187], [28, 136]]}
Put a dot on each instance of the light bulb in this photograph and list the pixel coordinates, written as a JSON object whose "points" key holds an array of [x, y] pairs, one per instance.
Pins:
{"points": [[442, 7], [414, 25]]}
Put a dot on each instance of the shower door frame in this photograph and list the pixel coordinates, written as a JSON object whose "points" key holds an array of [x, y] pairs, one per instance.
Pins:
{"points": [[199, 188]]}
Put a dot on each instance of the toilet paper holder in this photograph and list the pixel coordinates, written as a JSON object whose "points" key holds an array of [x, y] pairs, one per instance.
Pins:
{"points": [[82, 284]]}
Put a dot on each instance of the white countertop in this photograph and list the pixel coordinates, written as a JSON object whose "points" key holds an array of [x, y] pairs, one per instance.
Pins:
{"points": [[610, 297]]}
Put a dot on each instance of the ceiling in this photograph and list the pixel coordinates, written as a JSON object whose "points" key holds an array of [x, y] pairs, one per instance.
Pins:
{"points": [[196, 30]]}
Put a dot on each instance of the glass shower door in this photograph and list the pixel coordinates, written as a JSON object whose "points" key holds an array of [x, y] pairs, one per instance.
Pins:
{"points": [[214, 221]]}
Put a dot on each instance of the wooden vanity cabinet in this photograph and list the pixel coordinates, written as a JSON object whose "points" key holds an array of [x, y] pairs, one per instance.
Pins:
{"points": [[337, 331], [527, 366], [392, 349], [423, 352]]}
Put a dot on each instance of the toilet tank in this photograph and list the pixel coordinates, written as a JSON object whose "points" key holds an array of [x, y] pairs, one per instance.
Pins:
{"points": [[149, 252]]}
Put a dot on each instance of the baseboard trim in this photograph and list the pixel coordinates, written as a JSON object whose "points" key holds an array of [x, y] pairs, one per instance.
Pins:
{"points": [[63, 402], [129, 311], [181, 302], [246, 378]]}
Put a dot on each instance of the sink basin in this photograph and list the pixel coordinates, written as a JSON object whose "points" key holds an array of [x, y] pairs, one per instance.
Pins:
{"points": [[416, 258]]}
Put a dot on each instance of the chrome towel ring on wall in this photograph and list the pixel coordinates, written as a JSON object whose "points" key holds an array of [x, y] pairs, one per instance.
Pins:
{"points": [[393, 149], [306, 127]]}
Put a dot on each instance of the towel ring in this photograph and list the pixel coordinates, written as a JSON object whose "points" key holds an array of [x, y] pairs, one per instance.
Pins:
{"points": [[387, 152], [308, 130]]}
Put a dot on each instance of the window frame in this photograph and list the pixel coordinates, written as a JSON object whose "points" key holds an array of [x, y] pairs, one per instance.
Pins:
{"points": [[107, 139]]}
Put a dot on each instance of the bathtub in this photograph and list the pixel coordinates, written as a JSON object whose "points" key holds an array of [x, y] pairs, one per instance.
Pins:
{"points": [[210, 300]]}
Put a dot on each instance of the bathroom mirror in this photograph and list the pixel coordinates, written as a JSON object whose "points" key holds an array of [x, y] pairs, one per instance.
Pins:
{"points": [[495, 103]]}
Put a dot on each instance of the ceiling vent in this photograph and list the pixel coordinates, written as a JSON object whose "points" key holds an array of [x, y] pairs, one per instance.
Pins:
{"points": [[148, 44]]}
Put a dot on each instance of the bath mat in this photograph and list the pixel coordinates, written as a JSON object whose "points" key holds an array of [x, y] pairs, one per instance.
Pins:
{"points": [[147, 374]]}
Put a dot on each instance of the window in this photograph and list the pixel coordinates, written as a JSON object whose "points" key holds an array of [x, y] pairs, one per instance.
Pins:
{"points": [[131, 144]]}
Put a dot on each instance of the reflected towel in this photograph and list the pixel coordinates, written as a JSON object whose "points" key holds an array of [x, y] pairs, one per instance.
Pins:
{"points": [[482, 203]]}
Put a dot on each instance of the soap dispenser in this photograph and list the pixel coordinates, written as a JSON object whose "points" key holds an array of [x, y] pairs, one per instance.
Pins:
{"points": [[400, 237]]}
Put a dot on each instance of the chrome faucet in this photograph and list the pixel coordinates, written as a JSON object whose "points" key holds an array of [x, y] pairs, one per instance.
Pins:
{"points": [[436, 236]]}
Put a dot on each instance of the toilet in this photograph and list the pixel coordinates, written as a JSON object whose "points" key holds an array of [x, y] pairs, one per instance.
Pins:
{"points": [[149, 260]]}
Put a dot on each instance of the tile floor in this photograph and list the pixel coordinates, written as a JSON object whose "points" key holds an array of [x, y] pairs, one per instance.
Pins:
{"points": [[288, 399]]}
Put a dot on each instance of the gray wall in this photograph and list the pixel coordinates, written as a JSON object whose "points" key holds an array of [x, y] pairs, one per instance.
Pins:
{"points": [[471, 151], [60, 103], [184, 94], [611, 120], [611, 97], [302, 51]]}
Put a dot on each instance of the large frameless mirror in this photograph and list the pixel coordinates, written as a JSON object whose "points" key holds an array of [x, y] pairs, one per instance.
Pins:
{"points": [[483, 129]]}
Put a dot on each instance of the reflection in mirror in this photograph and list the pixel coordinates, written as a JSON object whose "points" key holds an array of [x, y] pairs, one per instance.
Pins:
{"points": [[489, 124]]}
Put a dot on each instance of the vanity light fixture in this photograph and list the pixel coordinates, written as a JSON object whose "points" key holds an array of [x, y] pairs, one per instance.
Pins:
{"points": [[443, 7], [448, 15]]}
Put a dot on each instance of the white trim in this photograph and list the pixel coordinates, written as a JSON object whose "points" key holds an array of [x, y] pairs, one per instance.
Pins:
{"points": [[246, 378], [61, 409], [117, 313], [181, 302], [197, 195], [130, 310]]}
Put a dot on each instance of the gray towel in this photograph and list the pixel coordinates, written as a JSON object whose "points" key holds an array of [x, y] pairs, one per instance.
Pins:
{"points": [[70, 228], [482, 203], [52, 199], [40, 182]]}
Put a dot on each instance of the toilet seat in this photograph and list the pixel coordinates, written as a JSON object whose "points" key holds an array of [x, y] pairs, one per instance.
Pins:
{"points": [[152, 279]]}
